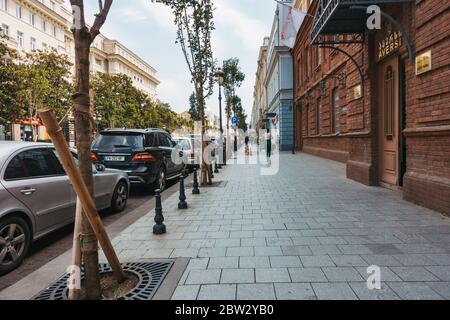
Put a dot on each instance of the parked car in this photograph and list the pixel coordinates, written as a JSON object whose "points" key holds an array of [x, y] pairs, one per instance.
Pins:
{"points": [[37, 198], [149, 156], [191, 148]]}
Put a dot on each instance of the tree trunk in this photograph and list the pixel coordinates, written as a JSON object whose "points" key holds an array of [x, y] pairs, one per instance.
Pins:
{"points": [[205, 175], [83, 128]]}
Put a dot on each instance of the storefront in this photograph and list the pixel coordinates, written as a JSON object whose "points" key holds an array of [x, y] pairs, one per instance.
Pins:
{"points": [[378, 100]]}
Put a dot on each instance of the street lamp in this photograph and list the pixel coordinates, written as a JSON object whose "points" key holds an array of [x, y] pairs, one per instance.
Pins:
{"points": [[220, 79]]}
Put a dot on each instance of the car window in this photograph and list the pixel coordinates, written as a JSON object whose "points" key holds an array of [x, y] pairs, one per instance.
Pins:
{"points": [[171, 141], [151, 140], [32, 164], [164, 140], [185, 145], [119, 140]]}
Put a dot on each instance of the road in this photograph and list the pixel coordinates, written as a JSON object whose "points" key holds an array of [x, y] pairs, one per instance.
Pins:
{"points": [[55, 244]]}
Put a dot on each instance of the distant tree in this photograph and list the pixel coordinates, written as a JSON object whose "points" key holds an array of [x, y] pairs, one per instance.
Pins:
{"points": [[233, 78], [193, 108], [194, 21]]}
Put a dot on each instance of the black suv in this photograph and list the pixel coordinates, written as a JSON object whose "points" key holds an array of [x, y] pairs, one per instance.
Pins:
{"points": [[149, 156]]}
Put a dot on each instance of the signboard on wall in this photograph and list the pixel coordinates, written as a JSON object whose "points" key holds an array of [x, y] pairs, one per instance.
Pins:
{"points": [[423, 63]]}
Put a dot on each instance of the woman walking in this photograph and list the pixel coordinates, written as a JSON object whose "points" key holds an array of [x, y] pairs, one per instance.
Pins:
{"points": [[268, 145]]}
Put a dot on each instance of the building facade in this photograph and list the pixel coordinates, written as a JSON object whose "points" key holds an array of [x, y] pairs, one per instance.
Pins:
{"points": [[45, 24], [378, 100], [260, 93], [279, 86]]}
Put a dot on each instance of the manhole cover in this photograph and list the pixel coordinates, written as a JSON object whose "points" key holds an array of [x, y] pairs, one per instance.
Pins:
{"points": [[150, 275]]}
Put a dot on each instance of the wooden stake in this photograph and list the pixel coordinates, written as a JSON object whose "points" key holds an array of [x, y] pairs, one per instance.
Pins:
{"points": [[54, 131], [74, 294]]}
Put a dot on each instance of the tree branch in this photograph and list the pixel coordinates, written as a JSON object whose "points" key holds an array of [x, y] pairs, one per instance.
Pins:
{"points": [[100, 18]]}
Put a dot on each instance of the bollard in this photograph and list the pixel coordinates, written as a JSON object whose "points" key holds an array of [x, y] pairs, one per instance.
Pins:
{"points": [[159, 227], [216, 170], [196, 190], [182, 205]]}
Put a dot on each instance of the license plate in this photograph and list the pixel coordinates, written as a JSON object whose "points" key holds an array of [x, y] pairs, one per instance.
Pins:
{"points": [[114, 158]]}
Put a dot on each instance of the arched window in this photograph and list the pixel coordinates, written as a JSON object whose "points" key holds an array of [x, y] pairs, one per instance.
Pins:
{"points": [[389, 103]]}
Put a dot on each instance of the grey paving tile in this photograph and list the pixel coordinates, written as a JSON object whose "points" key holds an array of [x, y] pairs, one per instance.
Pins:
{"points": [[414, 274], [255, 292], [254, 262], [253, 242], [342, 274], [296, 250], [300, 241], [354, 249], [273, 242], [217, 292], [223, 263], [317, 261], [285, 262], [272, 275], [414, 260], [334, 291], [442, 272], [268, 251], [442, 288], [387, 275], [184, 253], [211, 252], [238, 276], [324, 249], [240, 252], [203, 277], [198, 263], [440, 259], [294, 291], [414, 291], [348, 260], [363, 293], [189, 292], [224, 243], [307, 275], [381, 260]]}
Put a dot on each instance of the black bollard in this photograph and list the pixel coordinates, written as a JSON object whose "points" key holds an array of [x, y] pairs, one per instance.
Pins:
{"points": [[182, 205], [159, 227], [196, 190], [216, 170]]}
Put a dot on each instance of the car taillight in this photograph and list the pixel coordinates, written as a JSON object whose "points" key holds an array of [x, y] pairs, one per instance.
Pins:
{"points": [[190, 155], [143, 157], [94, 156]]}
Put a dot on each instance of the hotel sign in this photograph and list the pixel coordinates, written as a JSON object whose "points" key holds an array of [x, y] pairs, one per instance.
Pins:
{"points": [[390, 44], [423, 63]]}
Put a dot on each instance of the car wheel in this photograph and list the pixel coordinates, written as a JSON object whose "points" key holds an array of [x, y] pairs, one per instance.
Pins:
{"points": [[120, 197], [161, 180], [15, 238]]}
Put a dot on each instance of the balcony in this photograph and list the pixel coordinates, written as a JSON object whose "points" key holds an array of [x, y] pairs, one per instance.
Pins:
{"points": [[337, 17]]}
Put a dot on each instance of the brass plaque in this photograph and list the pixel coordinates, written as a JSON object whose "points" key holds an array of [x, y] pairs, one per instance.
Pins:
{"points": [[423, 63], [358, 92]]}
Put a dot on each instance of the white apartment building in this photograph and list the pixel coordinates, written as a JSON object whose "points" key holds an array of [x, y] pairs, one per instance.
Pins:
{"points": [[260, 90], [45, 24]]}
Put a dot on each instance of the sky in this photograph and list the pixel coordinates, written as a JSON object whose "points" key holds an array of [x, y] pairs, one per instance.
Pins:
{"points": [[147, 29]]}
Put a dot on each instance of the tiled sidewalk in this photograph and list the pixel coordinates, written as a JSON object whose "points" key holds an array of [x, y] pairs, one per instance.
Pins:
{"points": [[305, 233]]}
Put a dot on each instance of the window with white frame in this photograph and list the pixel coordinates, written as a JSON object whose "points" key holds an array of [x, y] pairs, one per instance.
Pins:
{"points": [[5, 30], [18, 12], [4, 5], [20, 39], [43, 25], [32, 19], [33, 43]]}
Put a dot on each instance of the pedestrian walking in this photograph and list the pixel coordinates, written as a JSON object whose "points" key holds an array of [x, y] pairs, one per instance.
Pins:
{"points": [[268, 144]]}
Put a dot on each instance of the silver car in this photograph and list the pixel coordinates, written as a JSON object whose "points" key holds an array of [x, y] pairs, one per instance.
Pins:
{"points": [[36, 197]]}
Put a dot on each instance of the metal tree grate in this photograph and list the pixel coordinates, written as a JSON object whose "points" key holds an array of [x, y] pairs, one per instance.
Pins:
{"points": [[150, 276]]}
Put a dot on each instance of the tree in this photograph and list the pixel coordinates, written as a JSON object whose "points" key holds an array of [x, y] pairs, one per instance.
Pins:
{"points": [[233, 78], [84, 36], [240, 113], [194, 21], [193, 108]]}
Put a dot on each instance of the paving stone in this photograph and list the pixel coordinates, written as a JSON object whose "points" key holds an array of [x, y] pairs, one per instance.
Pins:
{"points": [[240, 252], [189, 292], [204, 243], [184, 253], [254, 262], [272, 275], [255, 292], [199, 263], [324, 249], [384, 249], [442, 272], [203, 277], [387, 275], [285, 262], [414, 291], [268, 251], [381, 260], [296, 250], [364, 293], [348, 260], [238, 276], [414, 274], [442, 288], [307, 275], [334, 291], [253, 242], [217, 292], [317, 261], [354, 249], [211, 252], [223, 243], [440, 259], [294, 291], [223, 263], [342, 274]]}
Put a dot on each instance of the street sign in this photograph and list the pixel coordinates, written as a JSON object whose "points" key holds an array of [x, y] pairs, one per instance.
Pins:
{"points": [[234, 121]]}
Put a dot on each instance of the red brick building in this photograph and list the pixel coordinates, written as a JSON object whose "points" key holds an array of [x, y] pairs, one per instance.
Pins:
{"points": [[378, 100]]}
